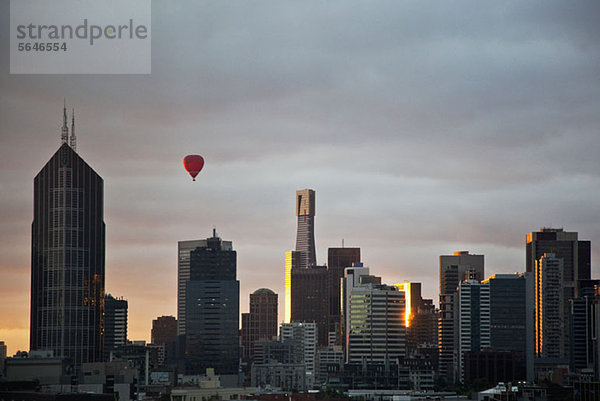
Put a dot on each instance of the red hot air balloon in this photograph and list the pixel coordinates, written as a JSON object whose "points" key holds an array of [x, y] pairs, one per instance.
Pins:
{"points": [[193, 164]]}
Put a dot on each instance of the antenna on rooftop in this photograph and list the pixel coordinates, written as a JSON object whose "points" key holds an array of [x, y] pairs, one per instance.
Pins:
{"points": [[73, 139], [64, 133]]}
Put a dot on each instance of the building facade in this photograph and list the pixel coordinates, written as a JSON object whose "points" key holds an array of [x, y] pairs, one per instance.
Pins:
{"points": [[67, 257], [304, 340], [164, 330], [337, 260], [309, 298], [472, 305], [292, 261], [583, 327], [212, 309], [351, 279], [183, 276], [377, 331], [453, 270], [575, 260], [115, 322], [261, 322], [512, 300], [551, 321]]}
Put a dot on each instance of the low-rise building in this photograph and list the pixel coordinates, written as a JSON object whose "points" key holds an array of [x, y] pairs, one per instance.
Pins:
{"points": [[286, 376]]}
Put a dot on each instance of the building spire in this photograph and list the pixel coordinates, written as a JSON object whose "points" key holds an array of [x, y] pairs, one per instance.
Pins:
{"points": [[64, 134], [73, 139]]}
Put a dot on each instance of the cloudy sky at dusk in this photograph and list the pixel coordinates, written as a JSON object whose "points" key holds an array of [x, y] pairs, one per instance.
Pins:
{"points": [[423, 129]]}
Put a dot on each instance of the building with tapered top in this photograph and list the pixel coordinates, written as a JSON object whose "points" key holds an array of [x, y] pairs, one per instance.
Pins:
{"points": [[67, 256], [306, 284], [305, 237]]}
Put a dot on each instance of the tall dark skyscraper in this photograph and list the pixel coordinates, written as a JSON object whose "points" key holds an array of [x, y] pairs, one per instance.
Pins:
{"points": [[512, 302], [212, 309], [115, 324], [561, 262], [305, 238], [67, 256], [337, 260], [309, 298]]}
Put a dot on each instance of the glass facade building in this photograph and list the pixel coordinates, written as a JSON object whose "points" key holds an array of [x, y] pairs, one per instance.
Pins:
{"points": [[212, 309], [183, 275], [115, 324], [453, 270], [67, 259], [377, 332], [337, 260]]}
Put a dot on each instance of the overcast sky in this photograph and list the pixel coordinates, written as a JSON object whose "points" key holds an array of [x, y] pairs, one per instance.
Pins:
{"points": [[424, 128]]}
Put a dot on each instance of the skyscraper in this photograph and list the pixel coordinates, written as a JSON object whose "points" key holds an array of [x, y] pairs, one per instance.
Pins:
{"points": [[472, 305], [261, 322], [183, 275], [309, 298], [551, 318], [351, 279], [583, 329], [212, 309], [574, 257], [453, 270], [377, 332], [509, 314], [306, 291], [512, 301], [337, 260], [292, 260], [115, 323], [305, 238], [67, 256]]}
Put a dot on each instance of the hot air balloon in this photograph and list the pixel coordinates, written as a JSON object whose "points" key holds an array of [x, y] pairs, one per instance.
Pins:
{"points": [[193, 164]]}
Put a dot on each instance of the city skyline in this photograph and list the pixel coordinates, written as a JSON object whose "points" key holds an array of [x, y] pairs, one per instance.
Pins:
{"points": [[423, 131]]}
